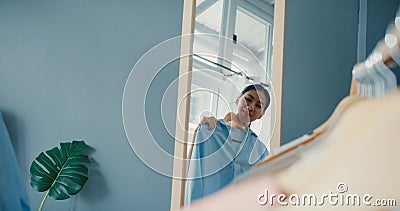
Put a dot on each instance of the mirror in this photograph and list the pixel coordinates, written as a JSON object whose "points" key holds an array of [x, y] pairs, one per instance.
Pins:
{"points": [[231, 48]]}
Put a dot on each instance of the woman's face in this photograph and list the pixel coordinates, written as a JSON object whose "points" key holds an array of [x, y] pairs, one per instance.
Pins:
{"points": [[251, 106]]}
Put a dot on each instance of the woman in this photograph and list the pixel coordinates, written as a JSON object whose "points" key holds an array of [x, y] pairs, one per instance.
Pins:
{"points": [[227, 147]]}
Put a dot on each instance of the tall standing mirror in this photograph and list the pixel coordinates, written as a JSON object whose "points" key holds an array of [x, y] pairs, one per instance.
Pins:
{"points": [[233, 46]]}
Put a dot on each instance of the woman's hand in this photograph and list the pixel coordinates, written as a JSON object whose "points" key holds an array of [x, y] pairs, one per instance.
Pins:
{"points": [[211, 121]]}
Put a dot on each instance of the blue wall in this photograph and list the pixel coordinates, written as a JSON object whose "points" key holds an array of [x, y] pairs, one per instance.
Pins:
{"points": [[320, 51], [63, 67]]}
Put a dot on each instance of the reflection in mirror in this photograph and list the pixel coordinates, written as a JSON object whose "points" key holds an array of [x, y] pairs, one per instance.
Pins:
{"points": [[235, 53], [249, 24]]}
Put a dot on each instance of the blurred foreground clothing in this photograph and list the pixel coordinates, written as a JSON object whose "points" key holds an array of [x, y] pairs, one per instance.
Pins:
{"points": [[13, 196]]}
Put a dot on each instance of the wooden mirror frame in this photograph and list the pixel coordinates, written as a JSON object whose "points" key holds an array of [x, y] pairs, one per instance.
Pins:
{"points": [[184, 87]]}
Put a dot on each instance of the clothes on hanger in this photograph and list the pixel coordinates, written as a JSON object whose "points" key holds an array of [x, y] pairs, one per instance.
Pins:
{"points": [[218, 157]]}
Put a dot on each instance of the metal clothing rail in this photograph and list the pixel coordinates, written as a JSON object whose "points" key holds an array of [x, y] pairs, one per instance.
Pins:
{"points": [[241, 73]]}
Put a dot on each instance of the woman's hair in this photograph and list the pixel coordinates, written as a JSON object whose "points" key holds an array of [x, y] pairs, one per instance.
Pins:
{"points": [[259, 87]]}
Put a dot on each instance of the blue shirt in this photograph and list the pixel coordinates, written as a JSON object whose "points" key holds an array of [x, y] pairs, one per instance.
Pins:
{"points": [[217, 159]]}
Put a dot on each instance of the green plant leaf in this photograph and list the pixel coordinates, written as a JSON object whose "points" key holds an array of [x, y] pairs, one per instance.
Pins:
{"points": [[61, 170]]}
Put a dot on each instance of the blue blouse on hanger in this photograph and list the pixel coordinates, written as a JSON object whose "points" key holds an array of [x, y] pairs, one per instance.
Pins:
{"points": [[218, 157]]}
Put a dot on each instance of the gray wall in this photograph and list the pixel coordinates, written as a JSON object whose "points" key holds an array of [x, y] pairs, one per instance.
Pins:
{"points": [[320, 51], [63, 67]]}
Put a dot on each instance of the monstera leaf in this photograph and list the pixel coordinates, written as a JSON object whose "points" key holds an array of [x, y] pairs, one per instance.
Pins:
{"points": [[62, 171]]}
